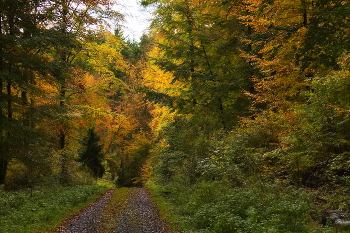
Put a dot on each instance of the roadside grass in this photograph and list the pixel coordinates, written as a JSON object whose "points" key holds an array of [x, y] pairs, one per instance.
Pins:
{"points": [[42, 209], [115, 207], [159, 196], [215, 207]]}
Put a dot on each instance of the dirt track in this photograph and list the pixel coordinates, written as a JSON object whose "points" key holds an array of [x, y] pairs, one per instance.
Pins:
{"points": [[140, 215]]}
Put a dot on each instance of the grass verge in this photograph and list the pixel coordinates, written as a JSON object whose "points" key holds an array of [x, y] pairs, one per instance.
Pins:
{"points": [[116, 206], [42, 209], [166, 210]]}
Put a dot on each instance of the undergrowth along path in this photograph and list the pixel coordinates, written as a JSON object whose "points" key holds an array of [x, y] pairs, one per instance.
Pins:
{"points": [[119, 211]]}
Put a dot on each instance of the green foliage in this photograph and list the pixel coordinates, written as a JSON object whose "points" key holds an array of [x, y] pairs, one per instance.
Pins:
{"points": [[42, 76], [325, 36], [167, 210], [195, 49], [253, 211], [91, 154], [130, 175], [318, 151], [265, 100], [42, 209], [216, 207], [170, 166], [187, 148]]}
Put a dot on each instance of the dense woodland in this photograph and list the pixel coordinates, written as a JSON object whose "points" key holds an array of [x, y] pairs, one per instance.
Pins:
{"points": [[237, 112]]}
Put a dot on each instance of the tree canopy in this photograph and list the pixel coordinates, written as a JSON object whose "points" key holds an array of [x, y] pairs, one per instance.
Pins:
{"points": [[244, 95]]}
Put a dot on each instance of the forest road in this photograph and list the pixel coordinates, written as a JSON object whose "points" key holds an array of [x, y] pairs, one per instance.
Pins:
{"points": [[139, 216]]}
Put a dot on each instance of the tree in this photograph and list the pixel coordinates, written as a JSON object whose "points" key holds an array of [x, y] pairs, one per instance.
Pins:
{"points": [[110, 101], [20, 63], [91, 154], [40, 41], [292, 44], [70, 20], [198, 48]]}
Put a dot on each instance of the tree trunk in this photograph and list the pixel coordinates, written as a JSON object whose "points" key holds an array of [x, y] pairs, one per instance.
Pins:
{"points": [[222, 114], [62, 133], [62, 136], [62, 144], [3, 162], [3, 170], [3, 152]]}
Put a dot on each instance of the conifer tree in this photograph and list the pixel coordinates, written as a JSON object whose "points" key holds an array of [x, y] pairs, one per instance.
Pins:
{"points": [[91, 155]]}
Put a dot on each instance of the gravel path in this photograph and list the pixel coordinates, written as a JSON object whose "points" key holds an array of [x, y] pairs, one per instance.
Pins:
{"points": [[87, 220], [140, 215]]}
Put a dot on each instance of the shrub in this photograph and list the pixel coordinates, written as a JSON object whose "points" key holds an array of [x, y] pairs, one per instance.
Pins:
{"points": [[215, 207]]}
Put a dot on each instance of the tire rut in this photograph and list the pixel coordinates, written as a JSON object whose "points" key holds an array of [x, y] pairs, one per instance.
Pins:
{"points": [[87, 220], [140, 215]]}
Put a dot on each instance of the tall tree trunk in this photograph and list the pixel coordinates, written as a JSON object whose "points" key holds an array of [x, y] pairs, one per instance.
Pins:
{"points": [[24, 98], [26, 114], [64, 59], [4, 150], [305, 21], [3, 170], [62, 143], [3, 161], [9, 100]]}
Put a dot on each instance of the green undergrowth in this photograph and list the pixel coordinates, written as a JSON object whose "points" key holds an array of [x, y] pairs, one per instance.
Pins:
{"points": [[115, 207], [166, 209], [216, 207], [42, 209]]}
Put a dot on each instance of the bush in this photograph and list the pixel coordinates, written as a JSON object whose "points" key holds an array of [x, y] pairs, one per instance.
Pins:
{"points": [[215, 207], [252, 211]]}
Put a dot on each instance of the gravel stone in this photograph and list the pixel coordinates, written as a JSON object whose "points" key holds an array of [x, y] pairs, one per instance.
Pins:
{"points": [[87, 220], [140, 216]]}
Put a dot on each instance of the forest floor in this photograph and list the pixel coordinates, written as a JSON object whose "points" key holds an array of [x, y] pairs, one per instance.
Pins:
{"points": [[134, 213]]}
